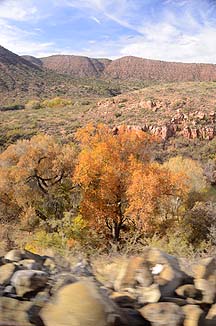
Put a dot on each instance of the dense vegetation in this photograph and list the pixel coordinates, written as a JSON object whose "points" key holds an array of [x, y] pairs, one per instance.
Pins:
{"points": [[105, 187]]}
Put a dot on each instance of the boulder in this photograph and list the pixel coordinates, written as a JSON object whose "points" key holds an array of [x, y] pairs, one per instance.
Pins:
{"points": [[6, 272], [41, 298], [26, 281], [179, 301], [82, 268], [14, 312], [211, 316], [149, 294], [143, 275], [194, 316], [134, 318], [80, 304], [166, 271], [37, 258], [163, 314], [207, 289], [50, 265], [61, 280], [15, 255], [188, 291], [123, 299], [206, 269], [29, 264], [10, 291], [132, 272], [205, 278]]}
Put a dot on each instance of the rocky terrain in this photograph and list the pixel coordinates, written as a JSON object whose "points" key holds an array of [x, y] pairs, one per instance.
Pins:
{"points": [[172, 110], [152, 289]]}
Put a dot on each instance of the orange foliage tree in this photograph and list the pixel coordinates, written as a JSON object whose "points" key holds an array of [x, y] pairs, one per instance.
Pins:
{"points": [[33, 174], [117, 178]]}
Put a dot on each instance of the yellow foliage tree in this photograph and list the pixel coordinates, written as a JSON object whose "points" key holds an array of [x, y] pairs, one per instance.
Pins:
{"points": [[153, 193], [195, 179], [192, 169]]}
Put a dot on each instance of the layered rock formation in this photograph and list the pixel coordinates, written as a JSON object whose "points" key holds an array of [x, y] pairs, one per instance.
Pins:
{"points": [[170, 114]]}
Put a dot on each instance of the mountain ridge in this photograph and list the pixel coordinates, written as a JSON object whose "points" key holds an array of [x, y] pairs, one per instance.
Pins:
{"points": [[129, 67], [26, 77]]}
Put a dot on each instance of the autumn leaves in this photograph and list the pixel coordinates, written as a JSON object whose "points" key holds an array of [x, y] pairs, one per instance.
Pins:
{"points": [[120, 185], [110, 179]]}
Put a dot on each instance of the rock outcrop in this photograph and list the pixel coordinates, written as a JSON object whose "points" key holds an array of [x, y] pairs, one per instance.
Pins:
{"points": [[151, 289], [162, 117]]}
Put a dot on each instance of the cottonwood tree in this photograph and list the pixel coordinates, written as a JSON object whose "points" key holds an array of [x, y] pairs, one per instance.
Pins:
{"points": [[153, 192], [194, 177], [117, 178], [35, 176]]}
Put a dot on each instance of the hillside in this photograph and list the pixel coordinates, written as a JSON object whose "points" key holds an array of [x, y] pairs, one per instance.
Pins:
{"points": [[181, 114], [27, 77], [130, 68], [144, 69], [33, 60], [24, 78], [17, 75], [76, 65]]}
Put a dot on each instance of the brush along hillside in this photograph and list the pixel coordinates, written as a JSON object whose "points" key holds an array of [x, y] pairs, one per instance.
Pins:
{"points": [[181, 115]]}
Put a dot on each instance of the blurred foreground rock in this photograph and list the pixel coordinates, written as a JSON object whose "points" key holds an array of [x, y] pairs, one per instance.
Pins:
{"points": [[151, 289]]}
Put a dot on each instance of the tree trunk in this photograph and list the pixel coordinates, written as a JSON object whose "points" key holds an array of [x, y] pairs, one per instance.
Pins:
{"points": [[116, 228]]}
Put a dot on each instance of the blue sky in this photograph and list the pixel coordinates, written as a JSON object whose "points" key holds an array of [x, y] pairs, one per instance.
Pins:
{"points": [[171, 30]]}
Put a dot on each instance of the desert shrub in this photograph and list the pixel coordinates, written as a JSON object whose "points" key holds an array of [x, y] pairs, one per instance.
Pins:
{"points": [[16, 134], [121, 106], [199, 222], [13, 107], [70, 233], [85, 102], [123, 100], [118, 114], [210, 171], [174, 243], [43, 240], [29, 219], [56, 102], [33, 105]]}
